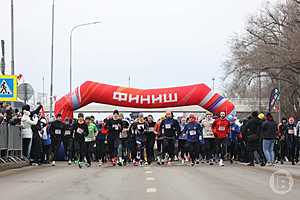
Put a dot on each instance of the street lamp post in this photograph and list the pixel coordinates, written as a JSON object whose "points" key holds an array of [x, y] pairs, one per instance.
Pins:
{"points": [[52, 48], [12, 40], [71, 34]]}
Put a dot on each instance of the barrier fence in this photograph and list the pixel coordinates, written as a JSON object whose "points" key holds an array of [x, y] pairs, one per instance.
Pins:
{"points": [[10, 144]]}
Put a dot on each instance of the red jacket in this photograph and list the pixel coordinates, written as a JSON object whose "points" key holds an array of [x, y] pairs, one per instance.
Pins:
{"points": [[104, 131], [221, 128]]}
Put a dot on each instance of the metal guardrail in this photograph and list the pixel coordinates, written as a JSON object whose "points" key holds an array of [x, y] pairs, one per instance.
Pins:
{"points": [[10, 140], [3, 140], [11, 147]]}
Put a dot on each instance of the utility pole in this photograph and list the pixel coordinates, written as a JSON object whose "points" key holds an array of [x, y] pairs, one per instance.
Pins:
{"points": [[12, 40], [52, 48], [279, 100], [259, 92], [129, 81]]}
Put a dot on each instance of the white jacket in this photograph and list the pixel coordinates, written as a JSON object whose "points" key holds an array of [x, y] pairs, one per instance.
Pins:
{"points": [[207, 130], [26, 124]]}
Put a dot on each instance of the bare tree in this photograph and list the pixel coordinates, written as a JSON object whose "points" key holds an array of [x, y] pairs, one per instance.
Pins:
{"points": [[268, 52]]}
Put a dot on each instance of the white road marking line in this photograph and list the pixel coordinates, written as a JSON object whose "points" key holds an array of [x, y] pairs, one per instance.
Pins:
{"points": [[150, 179], [148, 172], [151, 190], [147, 168]]}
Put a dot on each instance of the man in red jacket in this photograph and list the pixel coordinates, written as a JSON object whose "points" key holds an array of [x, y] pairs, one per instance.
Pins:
{"points": [[221, 128]]}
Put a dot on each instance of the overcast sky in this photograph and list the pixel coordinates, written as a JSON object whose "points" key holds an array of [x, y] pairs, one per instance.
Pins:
{"points": [[159, 43]]}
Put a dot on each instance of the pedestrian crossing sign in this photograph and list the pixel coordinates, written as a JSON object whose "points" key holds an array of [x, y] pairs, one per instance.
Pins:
{"points": [[8, 88]]}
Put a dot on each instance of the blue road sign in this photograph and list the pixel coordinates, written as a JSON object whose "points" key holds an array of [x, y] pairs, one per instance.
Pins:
{"points": [[8, 88]]}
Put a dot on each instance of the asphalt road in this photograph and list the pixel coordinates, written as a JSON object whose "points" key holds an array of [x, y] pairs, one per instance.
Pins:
{"points": [[153, 182]]}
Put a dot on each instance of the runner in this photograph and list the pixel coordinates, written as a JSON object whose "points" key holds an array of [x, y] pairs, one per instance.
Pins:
{"points": [[102, 143], [57, 129], [68, 140], [209, 138], [169, 127], [282, 140], [298, 143], [123, 146], [80, 132], [115, 127], [291, 139], [150, 139], [138, 129], [233, 140], [90, 139], [159, 141], [194, 137], [221, 128], [182, 141]]}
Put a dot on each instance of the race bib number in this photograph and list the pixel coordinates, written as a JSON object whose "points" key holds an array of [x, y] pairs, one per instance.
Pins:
{"points": [[57, 132], [151, 129], [87, 139], [80, 130], [140, 127], [200, 137], [168, 126], [222, 128], [116, 127], [193, 132], [291, 131], [67, 132]]}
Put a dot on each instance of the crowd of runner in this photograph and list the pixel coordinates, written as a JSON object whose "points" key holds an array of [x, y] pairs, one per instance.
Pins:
{"points": [[191, 139]]}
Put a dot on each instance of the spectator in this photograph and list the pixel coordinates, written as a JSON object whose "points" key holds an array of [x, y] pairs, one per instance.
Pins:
{"points": [[26, 131], [269, 128]]}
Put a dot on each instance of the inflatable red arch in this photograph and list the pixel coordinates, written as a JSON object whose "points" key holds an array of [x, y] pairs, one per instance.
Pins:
{"points": [[92, 92]]}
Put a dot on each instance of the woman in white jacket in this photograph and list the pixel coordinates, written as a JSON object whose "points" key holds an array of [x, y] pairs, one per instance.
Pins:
{"points": [[26, 132]]}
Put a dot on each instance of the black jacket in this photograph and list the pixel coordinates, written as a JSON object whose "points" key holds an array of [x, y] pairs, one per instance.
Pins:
{"points": [[57, 128], [268, 130], [252, 134], [80, 131]]}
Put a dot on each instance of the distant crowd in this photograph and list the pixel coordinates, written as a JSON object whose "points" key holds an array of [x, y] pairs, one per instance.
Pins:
{"points": [[9, 115]]}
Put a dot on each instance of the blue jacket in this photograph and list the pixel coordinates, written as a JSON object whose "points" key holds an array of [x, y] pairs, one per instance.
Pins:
{"points": [[48, 140], [234, 131], [182, 135], [194, 132]]}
